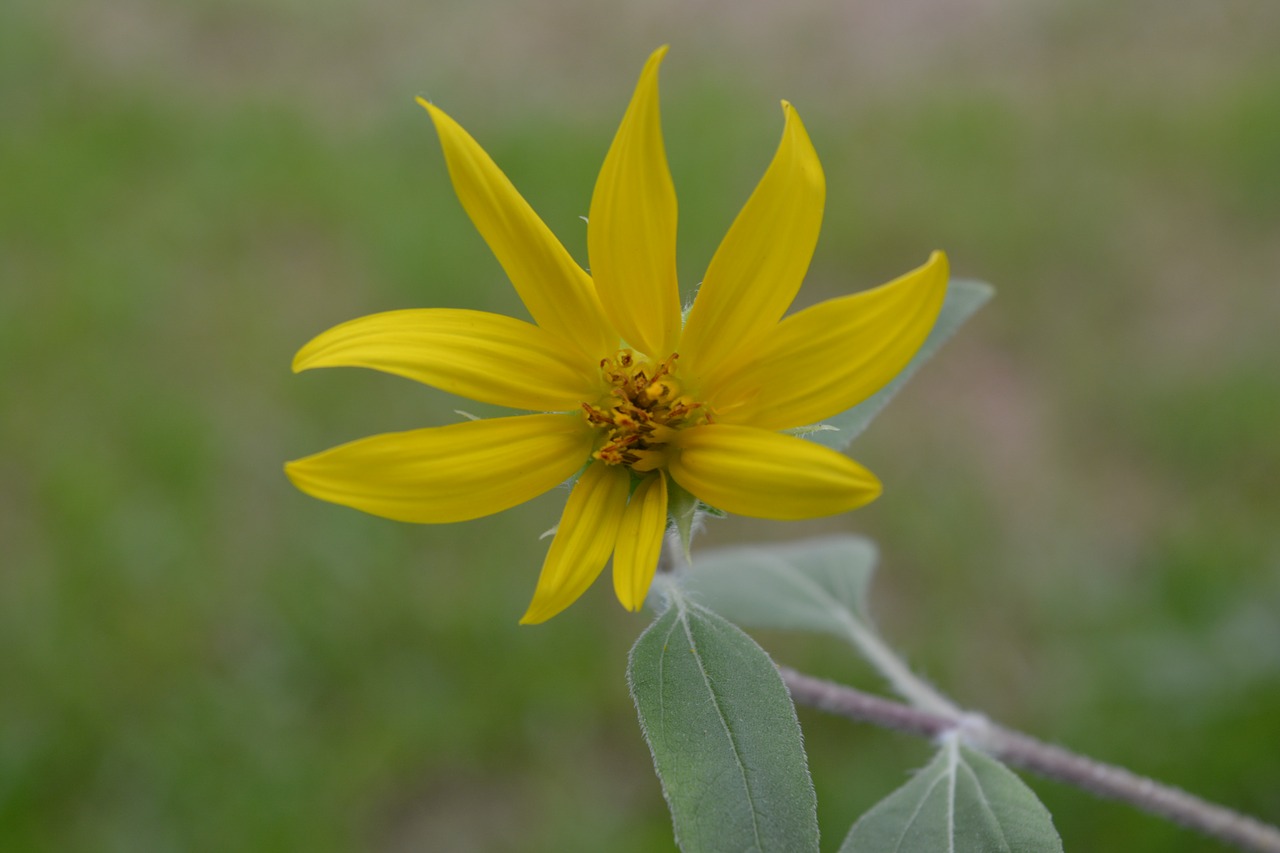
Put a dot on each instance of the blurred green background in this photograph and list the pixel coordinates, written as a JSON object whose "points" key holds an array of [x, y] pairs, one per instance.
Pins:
{"points": [[1080, 522]]}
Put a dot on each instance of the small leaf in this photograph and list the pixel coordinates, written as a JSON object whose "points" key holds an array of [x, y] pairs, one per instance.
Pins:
{"points": [[964, 298], [723, 733], [811, 585], [962, 802], [814, 585]]}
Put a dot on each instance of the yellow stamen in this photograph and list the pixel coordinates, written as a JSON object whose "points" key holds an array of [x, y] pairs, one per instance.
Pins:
{"points": [[642, 411]]}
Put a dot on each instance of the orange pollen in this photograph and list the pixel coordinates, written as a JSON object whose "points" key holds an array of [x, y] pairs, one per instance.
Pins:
{"points": [[641, 412]]}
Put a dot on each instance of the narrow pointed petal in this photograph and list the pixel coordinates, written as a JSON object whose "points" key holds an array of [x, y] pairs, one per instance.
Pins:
{"points": [[557, 292], [763, 474], [588, 531], [631, 229], [640, 542], [761, 262], [828, 358], [450, 473], [474, 354]]}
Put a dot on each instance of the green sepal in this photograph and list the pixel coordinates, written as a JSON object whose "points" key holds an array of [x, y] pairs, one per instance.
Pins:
{"points": [[685, 511]]}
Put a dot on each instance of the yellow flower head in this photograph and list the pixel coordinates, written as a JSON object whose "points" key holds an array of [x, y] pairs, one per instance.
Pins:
{"points": [[646, 402]]}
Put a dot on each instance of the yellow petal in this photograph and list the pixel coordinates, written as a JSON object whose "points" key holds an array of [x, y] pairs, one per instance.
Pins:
{"points": [[768, 475], [759, 266], [640, 542], [450, 473], [828, 358], [474, 354], [631, 229], [585, 539], [557, 292]]}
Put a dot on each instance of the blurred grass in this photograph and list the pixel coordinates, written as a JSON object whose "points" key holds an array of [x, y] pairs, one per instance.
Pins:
{"points": [[1079, 528]]}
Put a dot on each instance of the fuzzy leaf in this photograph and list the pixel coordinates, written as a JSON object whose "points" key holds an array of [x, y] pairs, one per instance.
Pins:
{"points": [[962, 802], [812, 585], [964, 298], [723, 733]]}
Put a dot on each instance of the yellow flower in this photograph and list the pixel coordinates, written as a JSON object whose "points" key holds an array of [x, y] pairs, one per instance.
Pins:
{"points": [[636, 401]]}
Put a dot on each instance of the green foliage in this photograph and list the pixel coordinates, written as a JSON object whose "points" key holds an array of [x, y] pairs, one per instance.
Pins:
{"points": [[963, 801], [724, 735], [963, 300], [813, 585]]}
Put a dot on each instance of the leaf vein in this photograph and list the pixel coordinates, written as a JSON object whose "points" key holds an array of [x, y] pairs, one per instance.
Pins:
{"points": [[910, 821], [986, 804], [685, 606]]}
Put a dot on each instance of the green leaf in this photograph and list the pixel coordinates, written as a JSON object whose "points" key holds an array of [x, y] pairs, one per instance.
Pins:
{"points": [[723, 733], [962, 802], [964, 298], [813, 585]]}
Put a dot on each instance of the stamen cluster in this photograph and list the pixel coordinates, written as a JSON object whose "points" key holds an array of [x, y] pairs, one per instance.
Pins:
{"points": [[643, 410]]}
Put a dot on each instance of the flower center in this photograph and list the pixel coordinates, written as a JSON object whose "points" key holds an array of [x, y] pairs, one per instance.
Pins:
{"points": [[642, 411]]}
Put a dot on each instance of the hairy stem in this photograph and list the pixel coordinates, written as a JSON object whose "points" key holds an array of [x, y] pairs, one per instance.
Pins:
{"points": [[1104, 780], [904, 682]]}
